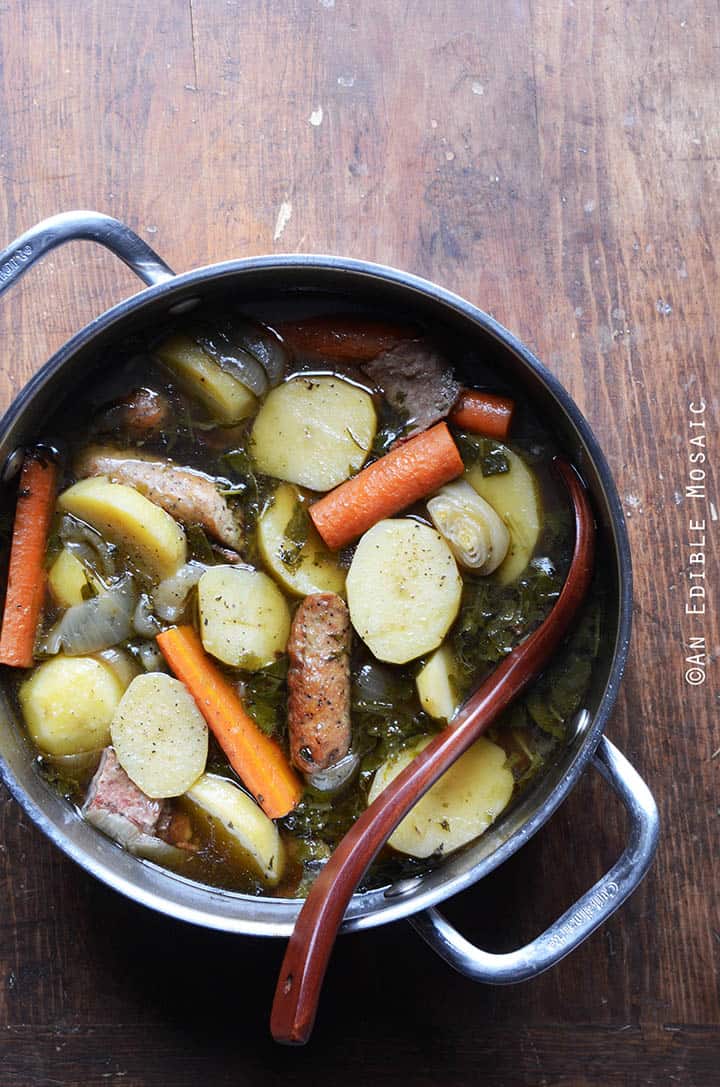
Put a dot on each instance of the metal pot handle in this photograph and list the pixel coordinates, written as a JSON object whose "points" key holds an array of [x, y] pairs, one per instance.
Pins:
{"points": [[73, 226], [588, 913]]}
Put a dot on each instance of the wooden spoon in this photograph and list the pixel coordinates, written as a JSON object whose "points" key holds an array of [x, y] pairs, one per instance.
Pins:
{"points": [[310, 946]]}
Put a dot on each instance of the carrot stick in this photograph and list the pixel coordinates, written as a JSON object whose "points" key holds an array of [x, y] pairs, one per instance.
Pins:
{"points": [[405, 474], [483, 413], [255, 758], [27, 577], [349, 337]]}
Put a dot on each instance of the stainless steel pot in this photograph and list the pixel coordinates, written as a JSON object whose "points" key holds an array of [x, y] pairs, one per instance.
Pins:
{"points": [[333, 278]]}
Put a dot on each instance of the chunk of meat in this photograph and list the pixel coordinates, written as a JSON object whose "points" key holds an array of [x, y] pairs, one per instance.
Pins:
{"points": [[177, 830], [417, 381], [186, 494], [144, 410], [319, 683], [151, 828], [116, 805]]}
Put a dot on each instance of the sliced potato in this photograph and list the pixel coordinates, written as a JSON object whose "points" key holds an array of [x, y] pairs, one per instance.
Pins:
{"points": [[403, 589], [67, 579], [309, 569], [243, 821], [159, 735], [459, 807], [244, 618], [225, 398], [68, 704], [314, 431], [437, 685], [125, 517], [515, 496]]}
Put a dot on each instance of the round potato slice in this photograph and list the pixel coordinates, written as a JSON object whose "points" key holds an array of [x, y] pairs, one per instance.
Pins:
{"points": [[68, 704], [314, 431], [243, 821], [159, 735], [302, 570], [403, 589], [244, 618], [515, 497], [459, 807]]}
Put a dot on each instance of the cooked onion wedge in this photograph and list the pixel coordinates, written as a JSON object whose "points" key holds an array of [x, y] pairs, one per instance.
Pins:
{"points": [[476, 534]]}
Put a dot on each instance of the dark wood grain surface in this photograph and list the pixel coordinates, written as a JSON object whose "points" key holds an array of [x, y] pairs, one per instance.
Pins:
{"points": [[556, 163]]}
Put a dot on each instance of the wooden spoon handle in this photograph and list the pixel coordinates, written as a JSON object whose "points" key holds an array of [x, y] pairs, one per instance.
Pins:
{"points": [[308, 952]]}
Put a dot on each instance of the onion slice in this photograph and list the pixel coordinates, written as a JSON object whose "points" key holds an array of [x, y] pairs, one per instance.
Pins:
{"points": [[331, 779], [170, 597], [96, 624]]}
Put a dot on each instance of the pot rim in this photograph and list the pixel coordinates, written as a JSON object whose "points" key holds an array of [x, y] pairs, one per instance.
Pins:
{"points": [[370, 908]]}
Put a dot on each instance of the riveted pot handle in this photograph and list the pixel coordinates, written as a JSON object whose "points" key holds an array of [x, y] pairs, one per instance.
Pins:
{"points": [[588, 913], [81, 226]]}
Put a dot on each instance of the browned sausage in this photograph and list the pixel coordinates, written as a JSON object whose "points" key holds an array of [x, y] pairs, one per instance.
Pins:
{"points": [[186, 494], [319, 683]]}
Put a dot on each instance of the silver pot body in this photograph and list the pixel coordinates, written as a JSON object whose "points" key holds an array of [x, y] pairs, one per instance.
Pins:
{"points": [[337, 281]]}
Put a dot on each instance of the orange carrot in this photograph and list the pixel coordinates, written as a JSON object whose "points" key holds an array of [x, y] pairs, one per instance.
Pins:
{"points": [[405, 474], [344, 337], [483, 413], [255, 758], [27, 577]]}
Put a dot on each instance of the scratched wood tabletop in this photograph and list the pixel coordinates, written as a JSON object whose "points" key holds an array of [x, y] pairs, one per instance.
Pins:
{"points": [[558, 164]]}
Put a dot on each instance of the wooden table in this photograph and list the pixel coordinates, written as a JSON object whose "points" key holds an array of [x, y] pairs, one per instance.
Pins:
{"points": [[556, 163]]}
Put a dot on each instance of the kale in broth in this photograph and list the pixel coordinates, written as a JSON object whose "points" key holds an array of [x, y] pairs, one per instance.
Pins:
{"points": [[386, 712]]}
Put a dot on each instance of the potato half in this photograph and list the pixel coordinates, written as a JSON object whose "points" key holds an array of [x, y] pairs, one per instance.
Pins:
{"points": [[242, 821], [301, 570], [67, 579], [515, 497], [122, 515], [459, 807], [403, 589], [159, 735], [314, 431], [244, 618], [68, 704], [225, 398], [437, 685]]}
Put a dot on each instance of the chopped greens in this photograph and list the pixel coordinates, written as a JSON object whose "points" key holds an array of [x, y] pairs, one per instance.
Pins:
{"points": [[253, 491], [295, 537], [199, 545], [266, 697], [392, 425], [489, 454]]}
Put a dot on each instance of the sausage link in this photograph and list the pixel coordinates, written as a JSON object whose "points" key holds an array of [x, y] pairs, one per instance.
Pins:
{"points": [[319, 683]]}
